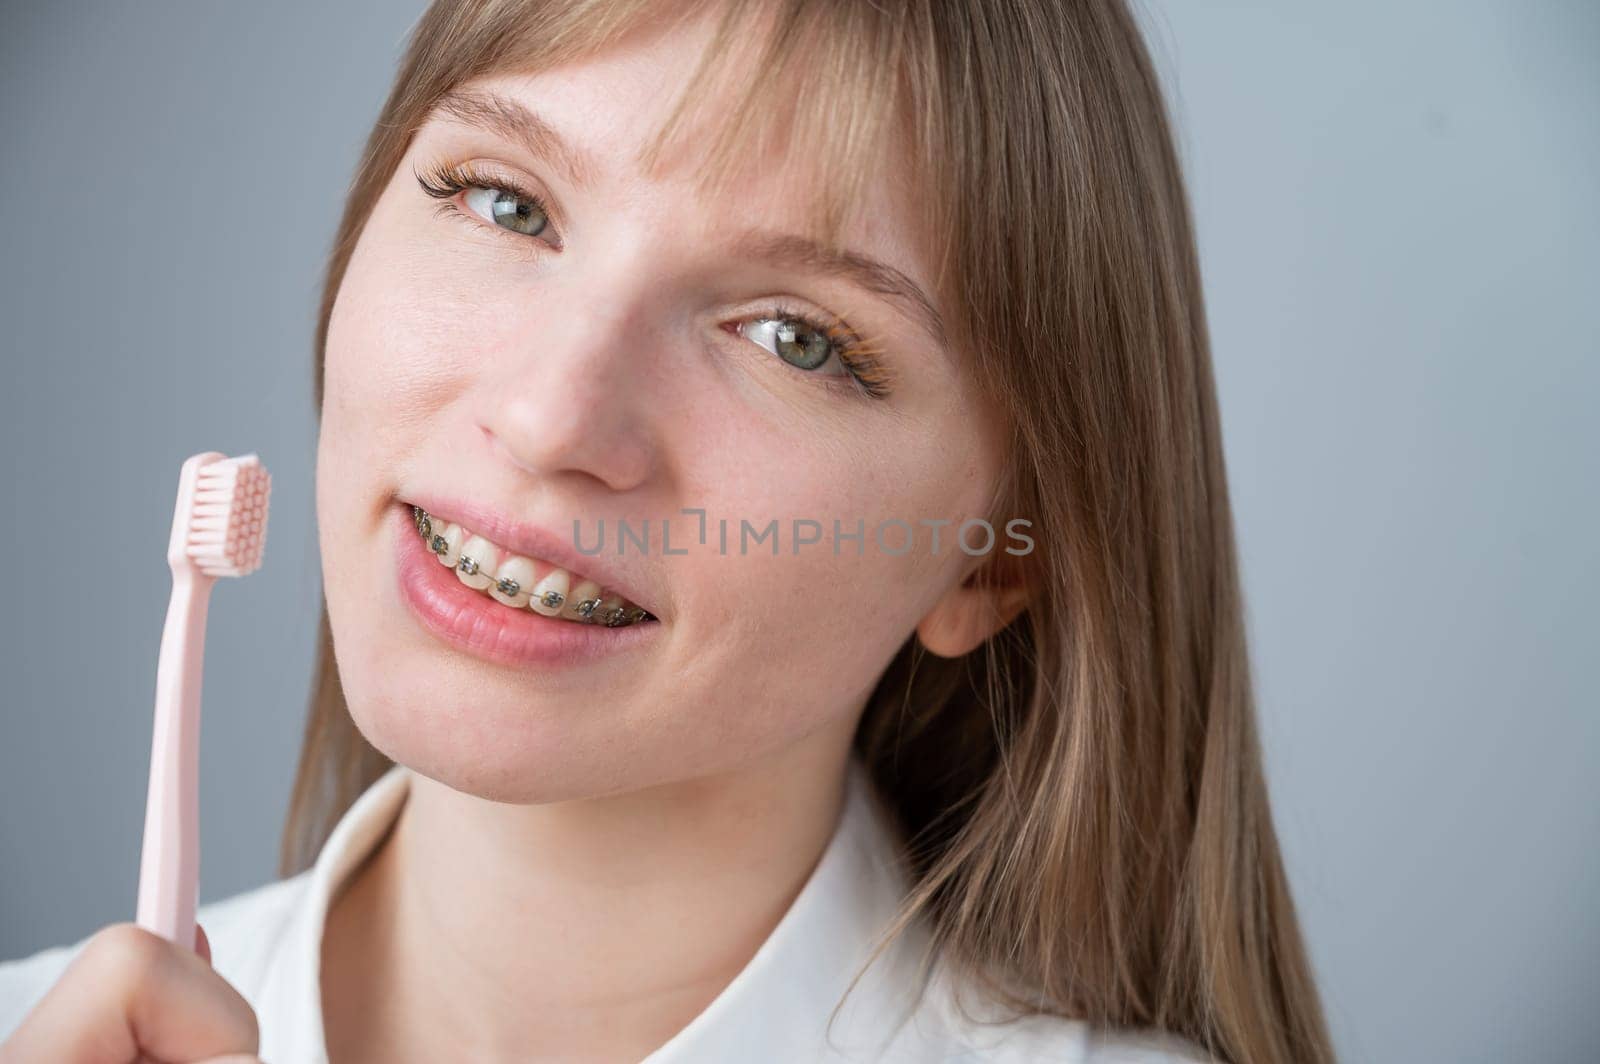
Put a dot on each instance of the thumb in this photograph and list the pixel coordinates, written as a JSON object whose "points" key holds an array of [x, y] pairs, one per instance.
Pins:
{"points": [[202, 944]]}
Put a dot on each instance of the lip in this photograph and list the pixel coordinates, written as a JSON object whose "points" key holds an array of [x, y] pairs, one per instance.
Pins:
{"points": [[534, 541], [473, 622]]}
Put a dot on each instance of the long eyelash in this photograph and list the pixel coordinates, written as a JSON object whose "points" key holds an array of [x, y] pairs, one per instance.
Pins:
{"points": [[444, 181], [861, 359]]}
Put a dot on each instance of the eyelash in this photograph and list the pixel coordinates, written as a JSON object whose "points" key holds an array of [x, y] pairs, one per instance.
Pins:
{"points": [[864, 367]]}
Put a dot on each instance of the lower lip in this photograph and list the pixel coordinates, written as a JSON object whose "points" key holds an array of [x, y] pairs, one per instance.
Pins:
{"points": [[471, 621]]}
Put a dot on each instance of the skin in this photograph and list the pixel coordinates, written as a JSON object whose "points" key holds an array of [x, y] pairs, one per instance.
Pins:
{"points": [[131, 996], [615, 840]]}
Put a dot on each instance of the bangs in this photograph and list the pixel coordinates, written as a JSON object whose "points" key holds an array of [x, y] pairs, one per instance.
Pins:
{"points": [[815, 86]]}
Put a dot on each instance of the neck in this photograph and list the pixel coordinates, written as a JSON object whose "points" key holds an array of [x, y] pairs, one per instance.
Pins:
{"points": [[595, 929]]}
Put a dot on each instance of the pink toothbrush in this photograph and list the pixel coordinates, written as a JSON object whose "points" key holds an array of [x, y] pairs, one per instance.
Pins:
{"points": [[218, 529]]}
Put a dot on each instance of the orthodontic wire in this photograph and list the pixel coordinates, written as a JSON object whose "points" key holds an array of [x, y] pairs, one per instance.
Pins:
{"points": [[507, 586]]}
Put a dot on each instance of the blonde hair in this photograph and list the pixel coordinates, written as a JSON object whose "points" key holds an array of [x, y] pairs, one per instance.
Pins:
{"points": [[1083, 799]]}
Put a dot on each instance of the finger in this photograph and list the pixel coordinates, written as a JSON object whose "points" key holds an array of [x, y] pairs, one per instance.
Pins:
{"points": [[131, 993]]}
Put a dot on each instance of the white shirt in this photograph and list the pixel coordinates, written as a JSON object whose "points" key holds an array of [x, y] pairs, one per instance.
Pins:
{"points": [[267, 943]]}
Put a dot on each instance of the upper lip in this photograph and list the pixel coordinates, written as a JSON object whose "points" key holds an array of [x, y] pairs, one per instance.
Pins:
{"points": [[534, 541]]}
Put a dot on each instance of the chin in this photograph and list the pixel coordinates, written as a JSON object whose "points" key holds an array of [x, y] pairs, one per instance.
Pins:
{"points": [[524, 751]]}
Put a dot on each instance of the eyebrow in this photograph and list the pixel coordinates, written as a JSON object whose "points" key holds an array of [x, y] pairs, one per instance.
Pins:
{"points": [[516, 123], [789, 251], [512, 120]]}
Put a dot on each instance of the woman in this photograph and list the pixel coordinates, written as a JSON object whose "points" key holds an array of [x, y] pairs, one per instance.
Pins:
{"points": [[838, 646]]}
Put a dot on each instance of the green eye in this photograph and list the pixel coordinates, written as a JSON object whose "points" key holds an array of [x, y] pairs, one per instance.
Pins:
{"points": [[505, 203], [828, 350], [794, 340], [509, 210]]}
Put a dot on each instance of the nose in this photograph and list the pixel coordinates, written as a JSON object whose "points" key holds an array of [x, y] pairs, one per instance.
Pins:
{"points": [[569, 396]]}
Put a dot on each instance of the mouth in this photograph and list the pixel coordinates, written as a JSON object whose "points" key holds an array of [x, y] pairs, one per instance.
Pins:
{"points": [[504, 627], [522, 583]]}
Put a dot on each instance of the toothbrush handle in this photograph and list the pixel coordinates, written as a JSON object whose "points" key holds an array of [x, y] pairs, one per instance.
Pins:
{"points": [[169, 865]]}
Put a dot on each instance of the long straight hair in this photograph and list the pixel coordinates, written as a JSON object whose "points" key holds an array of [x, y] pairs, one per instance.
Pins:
{"points": [[1083, 799]]}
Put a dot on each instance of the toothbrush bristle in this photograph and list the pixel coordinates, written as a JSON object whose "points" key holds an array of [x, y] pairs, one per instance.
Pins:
{"points": [[228, 522]]}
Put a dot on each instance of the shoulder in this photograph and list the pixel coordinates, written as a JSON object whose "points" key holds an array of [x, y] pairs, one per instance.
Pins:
{"points": [[1143, 1047], [243, 930], [248, 931], [1040, 1037], [971, 1029], [1058, 1039]]}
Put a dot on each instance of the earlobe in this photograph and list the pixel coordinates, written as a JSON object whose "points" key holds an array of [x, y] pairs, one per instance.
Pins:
{"points": [[970, 613]]}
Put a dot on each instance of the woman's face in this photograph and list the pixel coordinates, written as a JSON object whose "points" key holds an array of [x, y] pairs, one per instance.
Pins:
{"points": [[615, 358]]}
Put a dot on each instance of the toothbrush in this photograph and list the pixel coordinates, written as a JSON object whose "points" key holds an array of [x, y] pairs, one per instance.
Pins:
{"points": [[218, 529]]}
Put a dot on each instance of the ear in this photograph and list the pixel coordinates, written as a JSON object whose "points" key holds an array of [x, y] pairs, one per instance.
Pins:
{"points": [[986, 601]]}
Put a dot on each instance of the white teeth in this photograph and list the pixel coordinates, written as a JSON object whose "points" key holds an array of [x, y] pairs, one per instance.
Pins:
{"points": [[555, 582], [491, 565], [485, 557], [518, 569], [454, 535], [586, 589]]}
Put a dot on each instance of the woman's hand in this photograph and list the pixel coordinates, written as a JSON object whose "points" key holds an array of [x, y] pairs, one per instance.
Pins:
{"points": [[132, 996]]}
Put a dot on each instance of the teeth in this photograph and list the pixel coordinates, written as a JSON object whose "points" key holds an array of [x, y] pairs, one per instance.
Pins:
{"points": [[611, 612], [587, 591], [478, 559], [447, 540], [550, 593], [510, 578]]}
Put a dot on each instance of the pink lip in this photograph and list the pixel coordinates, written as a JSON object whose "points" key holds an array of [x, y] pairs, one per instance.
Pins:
{"points": [[473, 622], [534, 541]]}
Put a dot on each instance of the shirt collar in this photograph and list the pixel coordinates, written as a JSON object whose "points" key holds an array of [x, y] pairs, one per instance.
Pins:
{"points": [[780, 1002]]}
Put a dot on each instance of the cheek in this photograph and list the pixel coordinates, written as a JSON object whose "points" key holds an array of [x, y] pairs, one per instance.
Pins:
{"points": [[784, 642], [394, 353], [398, 347], [400, 351]]}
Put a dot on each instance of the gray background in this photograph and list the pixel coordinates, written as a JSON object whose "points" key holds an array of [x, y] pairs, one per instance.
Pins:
{"points": [[1397, 215]]}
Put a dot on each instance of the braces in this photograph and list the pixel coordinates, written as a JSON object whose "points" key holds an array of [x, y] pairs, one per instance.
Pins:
{"points": [[615, 617]]}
